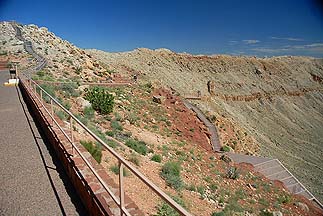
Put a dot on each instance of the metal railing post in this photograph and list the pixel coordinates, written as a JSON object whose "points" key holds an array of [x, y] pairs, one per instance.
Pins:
{"points": [[41, 96], [121, 189], [71, 130], [52, 111]]}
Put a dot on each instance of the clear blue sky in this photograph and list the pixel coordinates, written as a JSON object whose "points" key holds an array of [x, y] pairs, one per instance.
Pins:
{"points": [[250, 27]]}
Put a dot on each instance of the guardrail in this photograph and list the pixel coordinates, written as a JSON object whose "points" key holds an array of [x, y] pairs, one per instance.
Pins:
{"points": [[33, 87]]}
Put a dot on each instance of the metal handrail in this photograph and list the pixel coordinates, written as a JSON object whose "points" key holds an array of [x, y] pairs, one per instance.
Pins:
{"points": [[121, 161]]}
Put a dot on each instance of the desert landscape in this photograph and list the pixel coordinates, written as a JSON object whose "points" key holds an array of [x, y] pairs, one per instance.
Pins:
{"points": [[271, 107]]}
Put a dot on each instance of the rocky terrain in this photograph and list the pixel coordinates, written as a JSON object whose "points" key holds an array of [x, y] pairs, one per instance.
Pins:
{"points": [[271, 107], [278, 100]]}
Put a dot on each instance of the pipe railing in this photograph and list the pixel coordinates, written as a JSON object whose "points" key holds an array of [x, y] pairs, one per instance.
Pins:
{"points": [[32, 88]]}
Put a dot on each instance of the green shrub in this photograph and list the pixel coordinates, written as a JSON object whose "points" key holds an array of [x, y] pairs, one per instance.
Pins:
{"points": [[166, 210], [83, 120], [115, 125], [225, 148], [78, 70], [94, 150], [117, 116], [61, 115], [213, 187], [148, 87], [88, 112], [100, 99], [132, 118], [138, 146], [69, 89], [218, 213], [67, 105], [201, 190], [284, 199], [49, 89], [110, 133], [112, 144], [40, 73], [97, 132], [171, 174], [233, 173], [134, 159], [191, 187], [156, 158], [115, 170]]}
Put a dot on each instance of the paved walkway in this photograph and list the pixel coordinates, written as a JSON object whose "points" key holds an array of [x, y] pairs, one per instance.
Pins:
{"points": [[32, 182], [214, 134]]}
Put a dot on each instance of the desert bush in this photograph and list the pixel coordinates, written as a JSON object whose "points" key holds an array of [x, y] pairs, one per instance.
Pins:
{"points": [[134, 159], [49, 89], [82, 119], [115, 125], [284, 199], [139, 146], [191, 187], [68, 89], [156, 158], [61, 115], [171, 174], [225, 148], [233, 173], [115, 170], [166, 210], [201, 190], [94, 149], [88, 112], [132, 118], [67, 105], [100, 99]]}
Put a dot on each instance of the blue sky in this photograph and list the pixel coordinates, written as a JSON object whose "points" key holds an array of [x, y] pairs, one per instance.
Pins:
{"points": [[238, 27]]}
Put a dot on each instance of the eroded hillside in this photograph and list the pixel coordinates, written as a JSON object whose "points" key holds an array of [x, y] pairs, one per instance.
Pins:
{"points": [[279, 100]]}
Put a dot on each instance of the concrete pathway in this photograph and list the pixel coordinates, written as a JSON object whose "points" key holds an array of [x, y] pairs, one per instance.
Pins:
{"points": [[214, 134], [32, 181]]}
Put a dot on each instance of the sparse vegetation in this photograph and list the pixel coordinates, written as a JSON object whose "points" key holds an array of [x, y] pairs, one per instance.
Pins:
{"points": [[100, 99], [115, 125], [156, 158], [225, 148], [134, 159], [94, 149], [61, 115], [166, 210], [88, 112], [115, 169], [49, 89], [139, 146], [233, 173], [171, 174]]}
